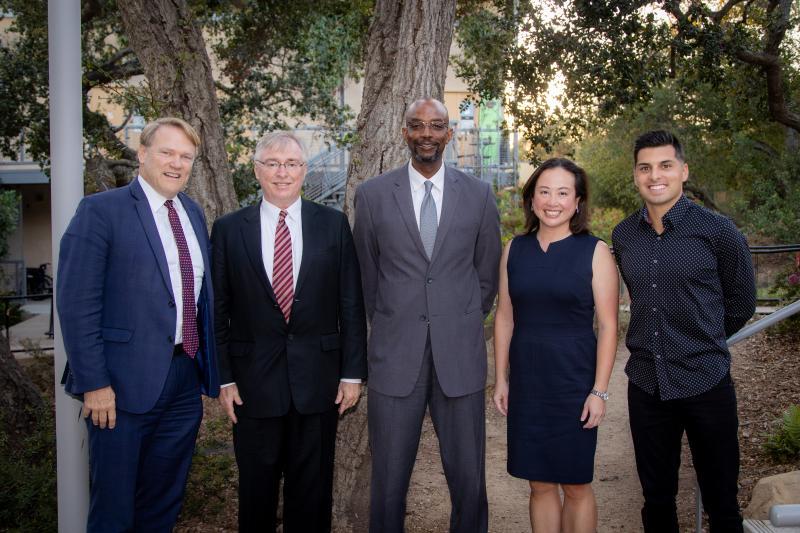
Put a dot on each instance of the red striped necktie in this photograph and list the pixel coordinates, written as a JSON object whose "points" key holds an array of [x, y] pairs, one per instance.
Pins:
{"points": [[191, 341], [282, 277]]}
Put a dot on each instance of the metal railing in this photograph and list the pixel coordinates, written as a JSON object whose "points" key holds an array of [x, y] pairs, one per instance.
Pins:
{"points": [[491, 155], [770, 320], [6, 303], [326, 175]]}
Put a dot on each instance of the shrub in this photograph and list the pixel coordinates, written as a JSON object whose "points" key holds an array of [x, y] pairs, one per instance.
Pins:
{"points": [[28, 479], [784, 445]]}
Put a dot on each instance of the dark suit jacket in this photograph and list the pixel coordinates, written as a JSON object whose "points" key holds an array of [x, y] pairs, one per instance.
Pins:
{"points": [[407, 295], [273, 362], [115, 300]]}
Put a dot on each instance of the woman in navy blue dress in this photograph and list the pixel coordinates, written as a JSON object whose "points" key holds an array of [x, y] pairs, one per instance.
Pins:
{"points": [[552, 371]]}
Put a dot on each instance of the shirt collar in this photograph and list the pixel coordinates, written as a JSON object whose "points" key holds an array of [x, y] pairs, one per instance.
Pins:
{"points": [[418, 180], [155, 198], [272, 211], [672, 217]]}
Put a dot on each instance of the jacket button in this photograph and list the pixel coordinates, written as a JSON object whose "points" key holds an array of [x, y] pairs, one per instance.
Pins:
{"points": [[423, 318], [429, 280], [275, 306], [170, 339], [171, 303]]}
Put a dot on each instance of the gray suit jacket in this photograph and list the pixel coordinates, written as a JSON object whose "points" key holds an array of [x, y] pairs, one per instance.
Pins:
{"points": [[405, 293]]}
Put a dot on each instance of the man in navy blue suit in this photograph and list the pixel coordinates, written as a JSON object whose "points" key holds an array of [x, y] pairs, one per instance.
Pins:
{"points": [[135, 298]]}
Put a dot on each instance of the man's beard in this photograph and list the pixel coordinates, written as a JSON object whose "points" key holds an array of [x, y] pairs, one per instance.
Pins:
{"points": [[437, 154]]}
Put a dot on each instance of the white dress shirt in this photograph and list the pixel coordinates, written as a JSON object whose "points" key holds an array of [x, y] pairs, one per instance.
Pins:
{"points": [[418, 190], [268, 214], [160, 214]]}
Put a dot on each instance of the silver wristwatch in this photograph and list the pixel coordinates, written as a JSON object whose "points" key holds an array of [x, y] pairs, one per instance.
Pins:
{"points": [[602, 395]]}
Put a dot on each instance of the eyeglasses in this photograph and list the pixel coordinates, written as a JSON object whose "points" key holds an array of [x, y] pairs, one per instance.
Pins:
{"points": [[273, 166], [420, 125]]}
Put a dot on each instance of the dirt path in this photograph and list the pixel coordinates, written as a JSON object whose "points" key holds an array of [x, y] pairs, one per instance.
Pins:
{"points": [[616, 484]]}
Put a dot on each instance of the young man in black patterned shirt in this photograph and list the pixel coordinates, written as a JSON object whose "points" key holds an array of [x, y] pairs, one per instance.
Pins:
{"points": [[690, 278]]}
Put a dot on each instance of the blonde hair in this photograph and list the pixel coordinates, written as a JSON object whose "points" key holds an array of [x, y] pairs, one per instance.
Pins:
{"points": [[146, 138]]}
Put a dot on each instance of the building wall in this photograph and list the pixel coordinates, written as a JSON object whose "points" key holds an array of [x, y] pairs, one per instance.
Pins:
{"points": [[36, 225]]}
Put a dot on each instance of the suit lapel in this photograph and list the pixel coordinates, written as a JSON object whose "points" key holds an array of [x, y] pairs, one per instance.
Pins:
{"points": [[311, 235], [402, 194], [149, 225], [449, 207], [251, 234]]}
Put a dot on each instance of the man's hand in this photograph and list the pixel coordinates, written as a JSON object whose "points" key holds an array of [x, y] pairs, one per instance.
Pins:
{"points": [[101, 404], [227, 396], [348, 395]]}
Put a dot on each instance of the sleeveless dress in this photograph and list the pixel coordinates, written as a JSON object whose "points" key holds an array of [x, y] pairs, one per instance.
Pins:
{"points": [[552, 359]]}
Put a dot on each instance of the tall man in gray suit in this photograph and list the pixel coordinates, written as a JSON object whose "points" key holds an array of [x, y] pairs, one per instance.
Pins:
{"points": [[428, 241]]}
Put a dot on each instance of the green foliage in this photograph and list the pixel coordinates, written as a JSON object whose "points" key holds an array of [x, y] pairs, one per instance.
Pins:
{"points": [[9, 216], [28, 479], [603, 220], [280, 64], [773, 205], [611, 57], [607, 161], [512, 217], [783, 446]]}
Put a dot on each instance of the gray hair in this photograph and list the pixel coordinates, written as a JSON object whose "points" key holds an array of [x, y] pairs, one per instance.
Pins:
{"points": [[279, 138]]}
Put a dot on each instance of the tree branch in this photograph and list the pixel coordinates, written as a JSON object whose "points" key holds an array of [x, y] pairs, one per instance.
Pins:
{"points": [[113, 70], [717, 16], [769, 61], [106, 134], [700, 194]]}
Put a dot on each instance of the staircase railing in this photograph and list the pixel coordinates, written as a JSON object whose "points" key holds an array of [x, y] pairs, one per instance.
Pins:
{"points": [[770, 320], [326, 174]]}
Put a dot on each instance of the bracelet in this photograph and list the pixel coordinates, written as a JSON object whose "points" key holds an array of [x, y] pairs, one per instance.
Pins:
{"points": [[602, 395]]}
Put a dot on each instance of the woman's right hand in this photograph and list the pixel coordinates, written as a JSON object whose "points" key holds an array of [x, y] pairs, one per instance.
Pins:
{"points": [[501, 396]]}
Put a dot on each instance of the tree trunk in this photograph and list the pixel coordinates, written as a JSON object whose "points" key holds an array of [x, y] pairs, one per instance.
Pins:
{"points": [[20, 402], [408, 49], [172, 51]]}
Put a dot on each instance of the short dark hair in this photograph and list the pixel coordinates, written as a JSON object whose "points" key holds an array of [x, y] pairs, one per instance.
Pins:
{"points": [[656, 138], [579, 223]]}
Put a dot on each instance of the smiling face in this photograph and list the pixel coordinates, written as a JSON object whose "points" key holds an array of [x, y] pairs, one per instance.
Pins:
{"points": [[659, 177], [427, 132], [554, 200], [165, 164], [281, 186]]}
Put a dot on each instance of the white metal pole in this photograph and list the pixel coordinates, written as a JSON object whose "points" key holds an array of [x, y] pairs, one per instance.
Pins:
{"points": [[66, 190]]}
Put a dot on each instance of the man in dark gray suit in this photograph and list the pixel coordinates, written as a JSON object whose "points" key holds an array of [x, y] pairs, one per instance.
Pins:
{"points": [[428, 241]]}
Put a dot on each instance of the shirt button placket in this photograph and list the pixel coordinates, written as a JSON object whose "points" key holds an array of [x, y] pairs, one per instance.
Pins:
{"points": [[655, 318]]}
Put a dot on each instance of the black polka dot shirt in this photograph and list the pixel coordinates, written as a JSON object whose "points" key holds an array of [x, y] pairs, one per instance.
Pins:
{"points": [[691, 288]]}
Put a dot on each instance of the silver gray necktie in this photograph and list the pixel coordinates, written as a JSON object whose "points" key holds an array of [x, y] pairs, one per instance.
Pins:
{"points": [[427, 220]]}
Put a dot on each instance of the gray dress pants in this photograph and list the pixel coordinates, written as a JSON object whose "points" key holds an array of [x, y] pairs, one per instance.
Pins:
{"points": [[395, 425]]}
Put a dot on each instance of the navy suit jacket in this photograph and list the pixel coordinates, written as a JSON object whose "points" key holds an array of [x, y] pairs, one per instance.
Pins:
{"points": [[115, 300]]}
